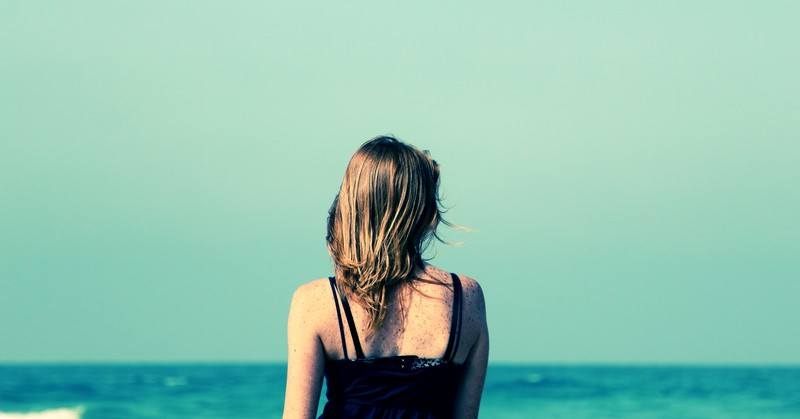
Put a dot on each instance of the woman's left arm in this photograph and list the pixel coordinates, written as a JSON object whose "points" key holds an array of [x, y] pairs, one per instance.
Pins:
{"points": [[306, 360]]}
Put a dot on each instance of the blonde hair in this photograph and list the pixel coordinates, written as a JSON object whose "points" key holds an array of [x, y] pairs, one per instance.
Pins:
{"points": [[386, 213]]}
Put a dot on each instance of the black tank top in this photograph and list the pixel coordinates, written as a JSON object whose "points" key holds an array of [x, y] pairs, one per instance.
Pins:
{"points": [[400, 386]]}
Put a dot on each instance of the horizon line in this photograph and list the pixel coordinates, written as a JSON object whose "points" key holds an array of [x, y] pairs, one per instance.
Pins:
{"points": [[499, 363]]}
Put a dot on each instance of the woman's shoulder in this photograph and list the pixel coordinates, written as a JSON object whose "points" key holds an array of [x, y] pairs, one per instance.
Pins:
{"points": [[468, 283], [312, 287], [472, 294], [312, 297]]}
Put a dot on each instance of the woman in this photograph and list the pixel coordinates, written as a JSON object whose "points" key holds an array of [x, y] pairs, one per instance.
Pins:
{"points": [[425, 338]]}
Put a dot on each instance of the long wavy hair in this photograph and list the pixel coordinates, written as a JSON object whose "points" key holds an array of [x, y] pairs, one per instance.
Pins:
{"points": [[386, 213]]}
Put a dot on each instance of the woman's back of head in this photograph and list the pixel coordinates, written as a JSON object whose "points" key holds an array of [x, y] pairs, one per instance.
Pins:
{"points": [[386, 213]]}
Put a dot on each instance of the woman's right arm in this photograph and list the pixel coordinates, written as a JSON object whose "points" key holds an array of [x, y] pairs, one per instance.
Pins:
{"points": [[470, 390]]}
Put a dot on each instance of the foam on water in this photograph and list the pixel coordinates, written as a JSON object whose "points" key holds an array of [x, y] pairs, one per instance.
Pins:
{"points": [[65, 413]]}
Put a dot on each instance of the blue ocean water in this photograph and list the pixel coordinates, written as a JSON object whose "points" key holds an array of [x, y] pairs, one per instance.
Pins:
{"points": [[250, 391]]}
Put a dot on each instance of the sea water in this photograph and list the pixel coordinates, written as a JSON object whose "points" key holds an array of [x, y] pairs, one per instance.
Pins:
{"points": [[250, 391]]}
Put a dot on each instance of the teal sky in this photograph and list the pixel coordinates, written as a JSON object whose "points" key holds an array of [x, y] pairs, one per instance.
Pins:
{"points": [[631, 170]]}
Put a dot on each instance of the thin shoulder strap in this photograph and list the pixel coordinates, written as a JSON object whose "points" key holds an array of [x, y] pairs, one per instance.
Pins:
{"points": [[455, 320], [351, 323], [339, 315]]}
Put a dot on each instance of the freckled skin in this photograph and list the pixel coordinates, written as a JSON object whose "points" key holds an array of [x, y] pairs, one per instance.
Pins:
{"points": [[427, 326], [314, 332]]}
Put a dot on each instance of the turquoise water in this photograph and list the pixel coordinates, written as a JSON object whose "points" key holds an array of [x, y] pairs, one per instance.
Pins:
{"points": [[245, 391]]}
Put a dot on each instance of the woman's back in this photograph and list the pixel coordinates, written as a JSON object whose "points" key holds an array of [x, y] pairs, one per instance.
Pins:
{"points": [[425, 331], [415, 364], [403, 385]]}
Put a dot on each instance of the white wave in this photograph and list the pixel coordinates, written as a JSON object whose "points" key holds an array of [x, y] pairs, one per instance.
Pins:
{"points": [[173, 382], [64, 413], [531, 378]]}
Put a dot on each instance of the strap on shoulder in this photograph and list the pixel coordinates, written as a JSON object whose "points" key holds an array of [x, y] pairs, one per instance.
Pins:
{"points": [[351, 323], [455, 320], [332, 281]]}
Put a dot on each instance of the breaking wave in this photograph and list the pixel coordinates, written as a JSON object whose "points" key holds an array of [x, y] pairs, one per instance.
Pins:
{"points": [[63, 413]]}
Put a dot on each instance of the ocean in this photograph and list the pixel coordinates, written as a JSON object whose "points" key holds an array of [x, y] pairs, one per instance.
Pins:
{"points": [[251, 391]]}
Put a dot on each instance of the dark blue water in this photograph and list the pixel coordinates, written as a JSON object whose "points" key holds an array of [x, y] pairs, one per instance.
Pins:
{"points": [[528, 391]]}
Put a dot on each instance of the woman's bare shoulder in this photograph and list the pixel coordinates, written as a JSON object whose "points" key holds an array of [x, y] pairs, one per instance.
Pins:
{"points": [[468, 282], [313, 286], [471, 288], [313, 297], [474, 302]]}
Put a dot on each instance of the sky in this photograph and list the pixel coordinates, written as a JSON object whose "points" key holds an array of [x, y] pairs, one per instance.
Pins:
{"points": [[629, 171]]}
